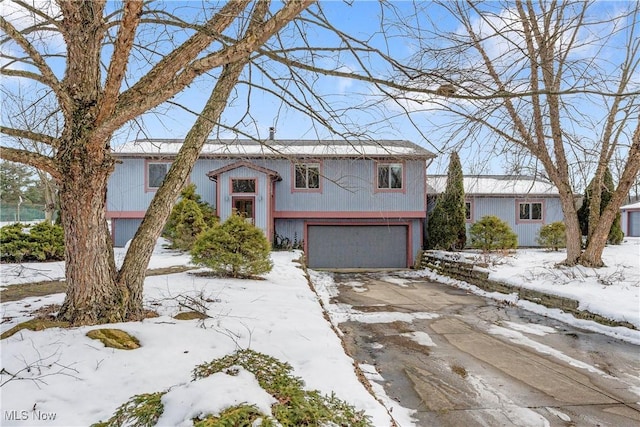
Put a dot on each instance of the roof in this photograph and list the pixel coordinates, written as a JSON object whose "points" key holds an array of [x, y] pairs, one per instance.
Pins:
{"points": [[496, 185], [215, 173], [278, 148], [631, 206]]}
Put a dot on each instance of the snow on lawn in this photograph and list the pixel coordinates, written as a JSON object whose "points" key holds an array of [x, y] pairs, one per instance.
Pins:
{"points": [[81, 381], [612, 291]]}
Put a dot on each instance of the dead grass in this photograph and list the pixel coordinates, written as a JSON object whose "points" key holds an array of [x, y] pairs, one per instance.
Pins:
{"points": [[39, 289], [36, 289], [190, 315]]}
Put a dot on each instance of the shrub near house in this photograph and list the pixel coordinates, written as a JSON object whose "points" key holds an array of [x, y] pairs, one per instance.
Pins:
{"points": [[553, 236], [491, 233], [235, 248], [189, 217]]}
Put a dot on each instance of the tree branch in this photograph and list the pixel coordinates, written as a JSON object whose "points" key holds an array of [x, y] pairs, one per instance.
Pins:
{"points": [[166, 79], [30, 158], [120, 57], [47, 78], [33, 136]]}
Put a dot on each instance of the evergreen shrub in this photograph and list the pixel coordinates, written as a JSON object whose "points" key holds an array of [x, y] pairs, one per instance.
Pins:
{"points": [[42, 242], [553, 236], [235, 248], [491, 233], [189, 218], [447, 222]]}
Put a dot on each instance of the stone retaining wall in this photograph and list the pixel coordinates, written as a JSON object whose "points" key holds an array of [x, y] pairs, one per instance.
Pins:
{"points": [[470, 273]]}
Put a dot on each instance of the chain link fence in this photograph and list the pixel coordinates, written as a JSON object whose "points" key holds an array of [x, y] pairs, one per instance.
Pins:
{"points": [[21, 213]]}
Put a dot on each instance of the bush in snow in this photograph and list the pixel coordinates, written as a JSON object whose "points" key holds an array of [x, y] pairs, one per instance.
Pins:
{"points": [[295, 407], [143, 410], [491, 233], [189, 218], [553, 236], [235, 248], [42, 242]]}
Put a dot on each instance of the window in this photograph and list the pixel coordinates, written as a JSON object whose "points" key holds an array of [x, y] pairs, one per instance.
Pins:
{"points": [[307, 176], [390, 176], [243, 185], [467, 211], [156, 173], [530, 211]]}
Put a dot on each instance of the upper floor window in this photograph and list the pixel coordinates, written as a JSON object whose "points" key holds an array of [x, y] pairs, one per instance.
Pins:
{"points": [[243, 185], [389, 176], [307, 176], [530, 211], [156, 171], [467, 211]]}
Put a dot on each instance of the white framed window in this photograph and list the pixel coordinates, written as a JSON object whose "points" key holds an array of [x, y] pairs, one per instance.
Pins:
{"points": [[155, 173], [389, 176], [307, 176]]}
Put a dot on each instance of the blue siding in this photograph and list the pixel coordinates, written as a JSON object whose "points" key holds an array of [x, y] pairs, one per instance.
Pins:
{"points": [[505, 209], [123, 230], [348, 185]]}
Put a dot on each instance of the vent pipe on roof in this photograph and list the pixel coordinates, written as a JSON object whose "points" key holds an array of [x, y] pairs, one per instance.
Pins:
{"points": [[272, 133]]}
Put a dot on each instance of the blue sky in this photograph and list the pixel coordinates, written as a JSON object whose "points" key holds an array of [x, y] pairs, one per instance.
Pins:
{"points": [[360, 19]]}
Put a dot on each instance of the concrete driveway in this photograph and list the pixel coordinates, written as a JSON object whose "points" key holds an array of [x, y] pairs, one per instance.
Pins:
{"points": [[481, 363]]}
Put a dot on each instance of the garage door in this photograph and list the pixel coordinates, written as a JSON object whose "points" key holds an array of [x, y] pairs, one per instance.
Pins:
{"points": [[362, 246], [634, 224]]}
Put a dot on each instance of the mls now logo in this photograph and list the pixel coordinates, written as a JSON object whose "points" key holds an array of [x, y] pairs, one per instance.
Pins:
{"points": [[16, 415]]}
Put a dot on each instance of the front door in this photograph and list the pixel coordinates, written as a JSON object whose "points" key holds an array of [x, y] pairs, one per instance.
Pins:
{"points": [[245, 207]]}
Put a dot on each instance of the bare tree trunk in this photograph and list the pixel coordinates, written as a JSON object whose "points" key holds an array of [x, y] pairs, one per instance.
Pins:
{"points": [[572, 229], [592, 256], [93, 295], [133, 269]]}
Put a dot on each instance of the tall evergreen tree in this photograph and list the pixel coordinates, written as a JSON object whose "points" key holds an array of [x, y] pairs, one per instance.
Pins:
{"points": [[608, 187], [446, 227]]}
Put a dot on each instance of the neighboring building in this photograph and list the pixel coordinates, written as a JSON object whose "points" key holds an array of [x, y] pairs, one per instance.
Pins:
{"points": [[347, 203], [525, 203], [630, 216]]}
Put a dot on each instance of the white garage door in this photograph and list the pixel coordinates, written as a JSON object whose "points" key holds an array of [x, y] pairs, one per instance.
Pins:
{"points": [[357, 246]]}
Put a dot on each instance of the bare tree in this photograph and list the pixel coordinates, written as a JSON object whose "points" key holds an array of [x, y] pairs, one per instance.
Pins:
{"points": [[94, 106], [557, 79], [36, 113]]}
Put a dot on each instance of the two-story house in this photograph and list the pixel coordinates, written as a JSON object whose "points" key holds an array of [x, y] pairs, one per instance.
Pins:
{"points": [[349, 204]]}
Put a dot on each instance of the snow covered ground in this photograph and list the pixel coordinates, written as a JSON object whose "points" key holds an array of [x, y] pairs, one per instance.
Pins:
{"points": [[612, 291], [81, 382], [77, 381]]}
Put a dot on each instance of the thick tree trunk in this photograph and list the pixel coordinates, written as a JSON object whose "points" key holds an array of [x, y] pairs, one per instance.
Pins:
{"points": [[592, 256], [572, 229], [93, 295]]}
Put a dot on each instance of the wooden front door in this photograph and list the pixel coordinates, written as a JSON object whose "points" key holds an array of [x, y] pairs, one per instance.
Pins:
{"points": [[245, 206]]}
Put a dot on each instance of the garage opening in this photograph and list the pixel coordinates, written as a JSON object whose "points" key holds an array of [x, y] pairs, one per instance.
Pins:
{"points": [[357, 246]]}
